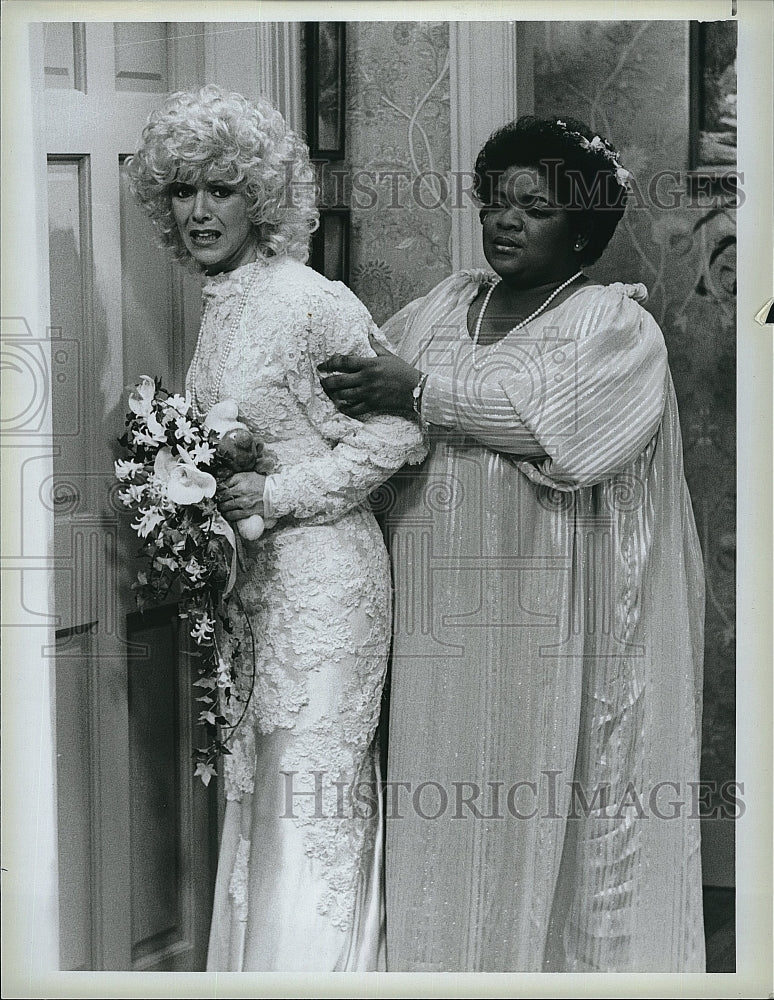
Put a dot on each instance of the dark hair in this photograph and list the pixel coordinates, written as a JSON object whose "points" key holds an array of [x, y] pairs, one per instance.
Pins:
{"points": [[582, 170]]}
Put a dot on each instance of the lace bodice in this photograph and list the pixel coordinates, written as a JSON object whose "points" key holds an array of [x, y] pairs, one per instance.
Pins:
{"points": [[323, 462]]}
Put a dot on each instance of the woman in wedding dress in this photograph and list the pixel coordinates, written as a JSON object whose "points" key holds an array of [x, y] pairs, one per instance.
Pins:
{"points": [[299, 887]]}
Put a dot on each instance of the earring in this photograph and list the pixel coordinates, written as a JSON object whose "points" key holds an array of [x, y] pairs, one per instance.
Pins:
{"points": [[578, 245]]}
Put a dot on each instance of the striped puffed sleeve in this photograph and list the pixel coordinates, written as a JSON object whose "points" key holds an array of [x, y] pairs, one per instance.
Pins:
{"points": [[479, 407], [455, 395], [580, 401], [595, 396]]}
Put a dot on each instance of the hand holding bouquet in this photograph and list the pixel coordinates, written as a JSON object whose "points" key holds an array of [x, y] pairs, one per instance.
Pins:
{"points": [[238, 451]]}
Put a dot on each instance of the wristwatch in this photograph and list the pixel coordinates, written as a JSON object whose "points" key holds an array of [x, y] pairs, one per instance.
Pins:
{"points": [[416, 395]]}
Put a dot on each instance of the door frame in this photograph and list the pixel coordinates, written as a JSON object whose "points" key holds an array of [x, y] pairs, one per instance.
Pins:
{"points": [[30, 880]]}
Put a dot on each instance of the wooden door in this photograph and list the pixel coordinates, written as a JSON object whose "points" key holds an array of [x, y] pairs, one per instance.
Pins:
{"points": [[137, 834]]}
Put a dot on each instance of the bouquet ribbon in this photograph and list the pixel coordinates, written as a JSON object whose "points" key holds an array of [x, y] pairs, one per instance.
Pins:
{"points": [[221, 527]]}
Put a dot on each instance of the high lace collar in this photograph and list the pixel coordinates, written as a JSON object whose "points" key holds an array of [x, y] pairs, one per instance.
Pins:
{"points": [[227, 283]]}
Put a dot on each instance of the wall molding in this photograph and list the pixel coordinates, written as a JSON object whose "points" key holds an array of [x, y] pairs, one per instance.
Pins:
{"points": [[280, 70], [490, 68], [258, 60]]}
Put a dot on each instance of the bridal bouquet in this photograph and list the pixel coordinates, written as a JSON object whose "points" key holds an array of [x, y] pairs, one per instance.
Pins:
{"points": [[169, 478]]}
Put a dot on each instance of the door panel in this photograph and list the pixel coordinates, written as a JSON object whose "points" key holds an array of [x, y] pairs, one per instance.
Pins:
{"points": [[173, 829], [74, 806], [137, 835], [141, 59], [64, 54]]}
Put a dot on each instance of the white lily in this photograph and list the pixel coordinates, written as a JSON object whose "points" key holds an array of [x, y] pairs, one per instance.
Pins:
{"points": [[126, 469], [203, 629], [180, 403], [141, 397], [202, 454], [184, 483], [150, 519], [184, 430]]}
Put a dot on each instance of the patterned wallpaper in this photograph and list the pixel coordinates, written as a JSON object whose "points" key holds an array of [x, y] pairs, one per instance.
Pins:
{"points": [[629, 81], [398, 134]]}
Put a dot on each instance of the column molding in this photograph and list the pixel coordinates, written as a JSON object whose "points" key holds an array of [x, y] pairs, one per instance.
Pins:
{"points": [[258, 60], [280, 72], [490, 84]]}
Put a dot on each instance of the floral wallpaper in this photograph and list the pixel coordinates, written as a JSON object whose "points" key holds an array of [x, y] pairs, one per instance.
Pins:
{"points": [[629, 81], [398, 140]]}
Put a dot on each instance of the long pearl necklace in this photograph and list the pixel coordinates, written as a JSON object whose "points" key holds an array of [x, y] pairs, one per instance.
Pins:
{"points": [[232, 334], [522, 323]]}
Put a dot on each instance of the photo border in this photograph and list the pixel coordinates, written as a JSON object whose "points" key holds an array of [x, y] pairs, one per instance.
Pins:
{"points": [[754, 591]]}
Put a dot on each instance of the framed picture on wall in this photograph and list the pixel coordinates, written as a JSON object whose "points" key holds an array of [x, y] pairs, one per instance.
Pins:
{"points": [[329, 252], [325, 88], [713, 97]]}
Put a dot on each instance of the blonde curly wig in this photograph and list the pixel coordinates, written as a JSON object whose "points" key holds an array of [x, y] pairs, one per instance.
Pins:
{"points": [[197, 136]]}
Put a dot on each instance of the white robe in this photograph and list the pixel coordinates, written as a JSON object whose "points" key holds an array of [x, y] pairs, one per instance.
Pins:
{"points": [[549, 603]]}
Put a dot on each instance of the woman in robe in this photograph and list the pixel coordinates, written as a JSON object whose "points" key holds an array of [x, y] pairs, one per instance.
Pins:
{"points": [[545, 711]]}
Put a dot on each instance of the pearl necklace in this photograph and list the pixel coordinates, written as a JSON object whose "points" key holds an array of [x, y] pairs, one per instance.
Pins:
{"points": [[522, 323], [232, 333]]}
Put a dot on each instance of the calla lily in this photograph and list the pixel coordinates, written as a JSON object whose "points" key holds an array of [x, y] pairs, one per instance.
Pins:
{"points": [[187, 484], [156, 430], [141, 397], [183, 481], [223, 417]]}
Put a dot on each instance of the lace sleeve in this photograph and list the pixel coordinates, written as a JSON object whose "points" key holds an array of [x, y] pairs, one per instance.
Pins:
{"points": [[363, 453]]}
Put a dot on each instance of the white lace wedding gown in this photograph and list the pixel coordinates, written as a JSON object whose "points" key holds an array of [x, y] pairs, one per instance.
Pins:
{"points": [[299, 884]]}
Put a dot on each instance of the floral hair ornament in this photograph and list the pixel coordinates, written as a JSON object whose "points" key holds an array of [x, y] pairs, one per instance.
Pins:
{"points": [[599, 145]]}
